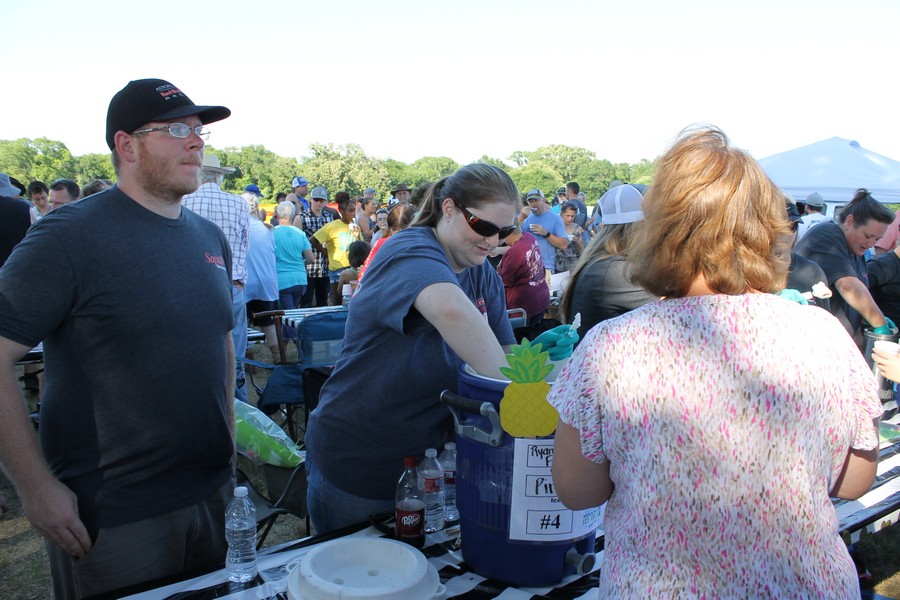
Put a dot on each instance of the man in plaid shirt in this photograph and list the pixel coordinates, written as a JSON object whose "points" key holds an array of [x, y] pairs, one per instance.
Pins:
{"points": [[232, 215], [310, 221]]}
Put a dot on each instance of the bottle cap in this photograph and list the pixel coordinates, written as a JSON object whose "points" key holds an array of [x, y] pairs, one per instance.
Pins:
{"points": [[346, 289], [431, 453], [240, 492], [450, 446]]}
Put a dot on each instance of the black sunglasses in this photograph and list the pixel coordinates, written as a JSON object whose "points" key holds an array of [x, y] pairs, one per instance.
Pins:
{"points": [[482, 227]]}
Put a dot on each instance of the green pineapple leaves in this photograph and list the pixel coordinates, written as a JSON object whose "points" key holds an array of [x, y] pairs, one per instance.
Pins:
{"points": [[527, 364]]}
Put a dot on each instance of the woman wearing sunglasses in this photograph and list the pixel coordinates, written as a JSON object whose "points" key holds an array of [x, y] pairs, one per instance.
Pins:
{"points": [[429, 302]]}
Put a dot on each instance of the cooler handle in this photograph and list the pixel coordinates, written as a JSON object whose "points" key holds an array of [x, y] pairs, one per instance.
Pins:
{"points": [[455, 403]]}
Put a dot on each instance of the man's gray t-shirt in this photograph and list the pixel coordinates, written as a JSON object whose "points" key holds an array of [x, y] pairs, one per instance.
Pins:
{"points": [[133, 309]]}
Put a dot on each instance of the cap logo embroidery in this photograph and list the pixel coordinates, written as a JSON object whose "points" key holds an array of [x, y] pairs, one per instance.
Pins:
{"points": [[168, 91]]}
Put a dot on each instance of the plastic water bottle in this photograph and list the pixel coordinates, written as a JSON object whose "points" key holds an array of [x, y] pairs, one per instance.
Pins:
{"points": [[448, 463], [431, 478], [240, 531], [409, 508]]}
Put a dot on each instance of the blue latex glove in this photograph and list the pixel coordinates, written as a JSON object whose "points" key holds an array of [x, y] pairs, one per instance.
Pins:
{"points": [[558, 342], [793, 296], [887, 329]]}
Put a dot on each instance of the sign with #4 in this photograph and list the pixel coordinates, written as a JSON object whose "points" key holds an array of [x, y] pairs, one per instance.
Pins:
{"points": [[536, 513]]}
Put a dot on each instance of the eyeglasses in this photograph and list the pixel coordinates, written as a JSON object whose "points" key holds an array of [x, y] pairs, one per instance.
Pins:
{"points": [[178, 130], [482, 227]]}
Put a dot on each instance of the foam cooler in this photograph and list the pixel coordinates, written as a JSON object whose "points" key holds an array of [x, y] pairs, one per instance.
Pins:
{"points": [[484, 494]]}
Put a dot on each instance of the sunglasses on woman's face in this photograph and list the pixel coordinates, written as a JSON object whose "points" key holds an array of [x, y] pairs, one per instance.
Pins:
{"points": [[482, 227]]}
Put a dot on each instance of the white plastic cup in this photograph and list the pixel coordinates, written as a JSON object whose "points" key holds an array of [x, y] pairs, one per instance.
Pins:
{"points": [[887, 347]]}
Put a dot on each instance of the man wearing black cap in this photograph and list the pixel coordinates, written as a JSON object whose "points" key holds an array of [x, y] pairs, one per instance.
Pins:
{"points": [[135, 316]]}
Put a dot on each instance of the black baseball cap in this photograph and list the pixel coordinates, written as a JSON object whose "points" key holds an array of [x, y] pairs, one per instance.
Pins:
{"points": [[145, 100]]}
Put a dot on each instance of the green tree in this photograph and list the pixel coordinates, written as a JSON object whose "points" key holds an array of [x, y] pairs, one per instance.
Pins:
{"points": [[255, 164], [399, 172], [643, 172], [535, 175], [345, 169], [17, 159], [93, 166], [431, 168], [42, 159], [52, 160], [493, 161], [566, 161], [519, 157]]}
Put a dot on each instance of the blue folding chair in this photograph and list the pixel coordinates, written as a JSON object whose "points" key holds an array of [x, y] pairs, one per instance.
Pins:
{"points": [[321, 337]]}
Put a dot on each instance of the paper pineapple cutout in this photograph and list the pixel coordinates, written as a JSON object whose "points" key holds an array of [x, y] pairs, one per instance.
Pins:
{"points": [[524, 410]]}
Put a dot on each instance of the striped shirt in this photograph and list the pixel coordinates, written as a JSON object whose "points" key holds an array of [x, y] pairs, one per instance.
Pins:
{"points": [[311, 224], [231, 214]]}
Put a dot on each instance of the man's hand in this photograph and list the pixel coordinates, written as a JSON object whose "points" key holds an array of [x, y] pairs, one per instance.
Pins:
{"points": [[52, 509]]}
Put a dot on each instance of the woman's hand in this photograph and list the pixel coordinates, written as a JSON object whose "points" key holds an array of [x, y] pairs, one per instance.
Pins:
{"points": [[888, 364]]}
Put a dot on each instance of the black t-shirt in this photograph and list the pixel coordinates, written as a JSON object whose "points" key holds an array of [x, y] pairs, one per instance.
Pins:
{"points": [[134, 310], [884, 283], [826, 245], [804, 275], [605, 291], [15, 218]]}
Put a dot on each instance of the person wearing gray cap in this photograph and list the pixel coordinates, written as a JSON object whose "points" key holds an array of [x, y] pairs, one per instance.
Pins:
{"points": [[137, 414], [317, 275], [815, 206]]}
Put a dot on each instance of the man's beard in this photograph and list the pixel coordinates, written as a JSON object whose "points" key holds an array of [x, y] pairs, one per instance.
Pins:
{"points": [[155, 179]]}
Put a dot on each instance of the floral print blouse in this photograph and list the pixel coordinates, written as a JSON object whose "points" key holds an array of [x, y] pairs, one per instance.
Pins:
{"points": [[726, 420]]}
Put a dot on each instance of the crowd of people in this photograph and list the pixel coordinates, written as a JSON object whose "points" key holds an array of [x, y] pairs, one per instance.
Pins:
{"points": [[710, 408]]}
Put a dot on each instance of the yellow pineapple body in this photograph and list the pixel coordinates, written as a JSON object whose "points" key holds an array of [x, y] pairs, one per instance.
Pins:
{"points": [[524, 410]]}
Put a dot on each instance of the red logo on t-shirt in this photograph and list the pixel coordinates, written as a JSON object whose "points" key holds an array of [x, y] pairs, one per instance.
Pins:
{"points": [[481, 306], [215, 260]]}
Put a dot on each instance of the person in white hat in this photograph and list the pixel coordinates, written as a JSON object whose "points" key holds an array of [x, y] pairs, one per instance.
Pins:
{"points": [[229, 212], [600, 285]]}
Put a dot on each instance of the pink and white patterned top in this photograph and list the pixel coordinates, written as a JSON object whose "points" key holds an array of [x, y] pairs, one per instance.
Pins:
{"points": [[725, 420]]}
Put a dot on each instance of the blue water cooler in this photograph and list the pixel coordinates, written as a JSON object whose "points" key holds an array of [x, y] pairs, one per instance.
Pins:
{"points": [[484, 481]]}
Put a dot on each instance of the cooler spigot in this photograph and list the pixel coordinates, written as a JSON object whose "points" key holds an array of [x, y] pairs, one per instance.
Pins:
{"points": [[584, 563]]}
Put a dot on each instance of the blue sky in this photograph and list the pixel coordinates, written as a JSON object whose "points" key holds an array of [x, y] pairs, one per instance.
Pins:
{"points": [[406, 79]]}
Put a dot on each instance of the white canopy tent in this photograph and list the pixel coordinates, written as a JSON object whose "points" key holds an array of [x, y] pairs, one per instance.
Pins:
{"points": [[835, 168]]}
